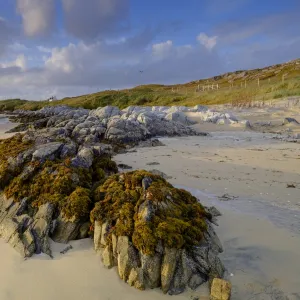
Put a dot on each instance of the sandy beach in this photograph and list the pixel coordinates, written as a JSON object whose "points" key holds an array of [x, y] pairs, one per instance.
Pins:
{"points": [[260, 226], [5, 125], [259, 229]]}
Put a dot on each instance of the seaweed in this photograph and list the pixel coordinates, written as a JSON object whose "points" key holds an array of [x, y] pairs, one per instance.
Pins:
{"points": [[160, 213]]}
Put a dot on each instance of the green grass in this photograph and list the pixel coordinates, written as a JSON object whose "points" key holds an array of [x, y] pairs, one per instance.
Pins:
{"points": [[235, 88]]}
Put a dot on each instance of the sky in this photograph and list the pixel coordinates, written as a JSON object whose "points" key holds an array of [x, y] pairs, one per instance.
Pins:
{"points": [[73, 47]]}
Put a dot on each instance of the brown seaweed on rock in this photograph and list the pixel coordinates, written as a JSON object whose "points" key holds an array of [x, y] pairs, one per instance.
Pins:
{"points": [[159, 212], [157, 235]]}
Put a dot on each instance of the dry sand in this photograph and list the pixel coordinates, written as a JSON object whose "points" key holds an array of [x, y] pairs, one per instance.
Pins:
{"points": [[260, 229]]}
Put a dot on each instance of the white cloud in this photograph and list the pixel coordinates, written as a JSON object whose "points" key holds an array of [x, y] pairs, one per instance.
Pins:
{"points": [[162, 49], [89, 67], [208, 42], [19, 62], [37, 15]]}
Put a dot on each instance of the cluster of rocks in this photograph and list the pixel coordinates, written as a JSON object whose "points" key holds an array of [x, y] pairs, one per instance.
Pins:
{"points": [[64, 143], [28, 230], [173, 270], [130, 125]]}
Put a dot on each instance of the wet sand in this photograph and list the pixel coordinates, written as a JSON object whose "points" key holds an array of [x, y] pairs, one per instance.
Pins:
{"points": [[5, 125]]}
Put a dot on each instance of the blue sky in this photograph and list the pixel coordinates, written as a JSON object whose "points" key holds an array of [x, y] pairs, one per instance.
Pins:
{"points": [[72, 47]]}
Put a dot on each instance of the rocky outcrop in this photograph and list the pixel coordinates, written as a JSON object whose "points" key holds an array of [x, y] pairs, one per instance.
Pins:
{"points": [[139, 227], [26, 234]]}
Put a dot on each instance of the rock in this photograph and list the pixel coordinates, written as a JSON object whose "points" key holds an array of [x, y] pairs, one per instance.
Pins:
{"points": [[124, 167], [154, 163], [126, 131], [105, 112], [127, 257], [68, 150], [151, 266], [146, 211], [212, 238], [180, 118], [136, 279], [48, 151], [146, 182], [290, 120], [41, 228], [97, 236], [223, 122], [220, 290], [179, 282], [216, 267], [107, 257], [67, 249], [195, 281], [104, 232], [84, 230], [214, 212], [65, 230], [84, 158], [168, 268], [150, 143]]}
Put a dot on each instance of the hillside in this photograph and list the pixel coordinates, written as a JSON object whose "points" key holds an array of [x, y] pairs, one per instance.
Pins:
{"points": [[237, 88]]}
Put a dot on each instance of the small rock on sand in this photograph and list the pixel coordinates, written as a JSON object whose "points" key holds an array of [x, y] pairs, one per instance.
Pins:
{"points": [[220, 290]]}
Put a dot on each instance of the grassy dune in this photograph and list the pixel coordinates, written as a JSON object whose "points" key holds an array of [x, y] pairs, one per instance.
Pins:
{"points": [[237, 88]]}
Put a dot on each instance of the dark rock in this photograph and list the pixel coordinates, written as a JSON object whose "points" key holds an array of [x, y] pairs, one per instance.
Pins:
{"points": [[124, 167], [146, 182], [68, 248], [84, 230], [290, 120]]}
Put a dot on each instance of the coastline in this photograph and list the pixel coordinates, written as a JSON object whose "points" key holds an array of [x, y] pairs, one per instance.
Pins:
{"points": [[244, 164]]}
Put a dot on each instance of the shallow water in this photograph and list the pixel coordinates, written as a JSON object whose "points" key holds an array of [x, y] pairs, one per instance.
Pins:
{"points": [[262, 247]]}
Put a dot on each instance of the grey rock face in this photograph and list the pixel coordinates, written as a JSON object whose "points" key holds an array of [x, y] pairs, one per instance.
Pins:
{"points": [[47, 151], [65, 230], [68, 150], [27, 235], [84, 158], [105, 112], [119, 130]]}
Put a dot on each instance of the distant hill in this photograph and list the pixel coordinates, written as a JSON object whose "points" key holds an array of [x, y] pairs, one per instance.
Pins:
{"points": [[243, 86]]}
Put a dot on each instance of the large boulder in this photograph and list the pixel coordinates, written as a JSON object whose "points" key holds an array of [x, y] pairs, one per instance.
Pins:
{"points": [[157, 235], [105, 112], [125, 131], [48, 151]]}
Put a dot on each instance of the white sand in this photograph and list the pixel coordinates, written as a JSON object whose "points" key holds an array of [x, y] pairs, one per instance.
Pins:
{"points": [[76, 275]]}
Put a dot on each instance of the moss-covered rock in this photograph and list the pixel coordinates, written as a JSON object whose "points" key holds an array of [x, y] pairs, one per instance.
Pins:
{"points": [[155, 213], [9, 150], [157, 235]]}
